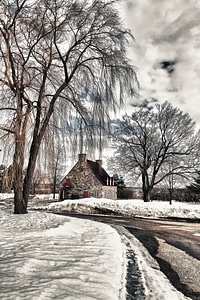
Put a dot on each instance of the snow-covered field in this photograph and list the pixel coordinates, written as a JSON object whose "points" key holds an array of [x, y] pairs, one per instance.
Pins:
{"points": [[46, 256]]}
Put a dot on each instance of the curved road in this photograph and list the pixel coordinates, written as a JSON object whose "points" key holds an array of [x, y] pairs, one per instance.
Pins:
{"points": [[174, 244]]}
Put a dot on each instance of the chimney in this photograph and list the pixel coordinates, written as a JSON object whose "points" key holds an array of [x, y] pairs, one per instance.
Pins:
{"points": [[82, 159], [99, 161]]}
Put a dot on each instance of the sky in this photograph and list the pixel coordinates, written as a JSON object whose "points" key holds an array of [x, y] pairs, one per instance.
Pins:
{"points": [[166, 50], [47, 256]]}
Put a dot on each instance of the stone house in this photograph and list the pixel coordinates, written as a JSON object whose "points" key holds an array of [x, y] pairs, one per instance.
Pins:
{"points": [[87, 179]]}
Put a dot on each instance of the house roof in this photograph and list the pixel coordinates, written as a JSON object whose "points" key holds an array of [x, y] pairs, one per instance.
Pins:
{"points": [[95, 167], [98, 171]]}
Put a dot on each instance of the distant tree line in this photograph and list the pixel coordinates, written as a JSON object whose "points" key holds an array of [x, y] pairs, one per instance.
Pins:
{"points": [[179, 194]]}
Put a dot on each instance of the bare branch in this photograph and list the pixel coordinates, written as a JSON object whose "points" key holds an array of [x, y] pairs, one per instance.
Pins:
{"points": [[7, 129]]}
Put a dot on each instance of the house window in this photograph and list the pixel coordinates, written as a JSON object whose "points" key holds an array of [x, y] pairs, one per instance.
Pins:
{"points": [[96, 194]]}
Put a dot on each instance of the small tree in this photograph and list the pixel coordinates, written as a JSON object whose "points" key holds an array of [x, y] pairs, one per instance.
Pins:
{"points": [[149, 141], [172, 181], [7, 179], [119, 182]]}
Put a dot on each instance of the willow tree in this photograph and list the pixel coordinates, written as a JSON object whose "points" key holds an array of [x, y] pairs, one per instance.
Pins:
{"points": [[58, 55]]}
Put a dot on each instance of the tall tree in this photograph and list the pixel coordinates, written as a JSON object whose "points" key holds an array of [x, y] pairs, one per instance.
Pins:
{"points": [[156, 144], [66, 56]]}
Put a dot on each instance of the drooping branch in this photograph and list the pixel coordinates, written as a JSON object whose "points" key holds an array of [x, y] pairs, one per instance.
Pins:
{"points": [[61, 60]]}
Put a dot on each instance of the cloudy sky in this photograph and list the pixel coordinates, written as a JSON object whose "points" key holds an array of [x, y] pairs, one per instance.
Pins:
{"points": [[167, 50]]}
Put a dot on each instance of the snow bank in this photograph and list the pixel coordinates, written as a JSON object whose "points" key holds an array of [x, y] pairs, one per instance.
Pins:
{"points": [[128, 208]]}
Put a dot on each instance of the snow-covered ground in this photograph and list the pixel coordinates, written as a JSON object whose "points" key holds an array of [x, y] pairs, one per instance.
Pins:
{"points": [[46, 256], [129, 208], [50, 257]]}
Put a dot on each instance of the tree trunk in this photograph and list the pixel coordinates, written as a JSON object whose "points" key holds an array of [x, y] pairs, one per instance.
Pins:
{"points": [[37, 138], [18, 160], [170, 195], [30, 169], [146, 195], [54, 188], [54, 182], [55, 175], [20, 205], [145, 188]]}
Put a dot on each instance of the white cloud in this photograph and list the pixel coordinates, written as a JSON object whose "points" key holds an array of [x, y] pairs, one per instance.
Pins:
{"points": [[167, 30]]}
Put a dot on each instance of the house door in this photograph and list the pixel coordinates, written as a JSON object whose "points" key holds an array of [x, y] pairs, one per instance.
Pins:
{"points": [[85, 194]]}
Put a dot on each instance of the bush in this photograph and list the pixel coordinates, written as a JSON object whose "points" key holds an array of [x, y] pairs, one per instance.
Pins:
{"points": [[75, 196]]}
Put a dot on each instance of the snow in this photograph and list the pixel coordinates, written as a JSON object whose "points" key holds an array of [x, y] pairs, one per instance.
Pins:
{"points": [[130, 208], [47, 256]]}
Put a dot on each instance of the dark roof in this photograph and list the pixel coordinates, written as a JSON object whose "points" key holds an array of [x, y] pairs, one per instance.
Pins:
{"points": [[98, 171]]}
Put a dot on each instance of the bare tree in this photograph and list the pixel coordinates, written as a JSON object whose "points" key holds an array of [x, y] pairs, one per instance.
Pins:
{"points": [[173, 180], [65, 56], [156, 144], [57, 152], [7, 180]]}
